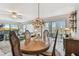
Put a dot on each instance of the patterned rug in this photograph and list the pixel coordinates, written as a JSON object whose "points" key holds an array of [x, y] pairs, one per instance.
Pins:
{"points": [[5, 48]]}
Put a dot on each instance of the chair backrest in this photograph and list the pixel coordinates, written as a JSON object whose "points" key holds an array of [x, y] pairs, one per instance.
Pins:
{"points": [[27, 36], [54, 46], [15, 44], [45, 36]]}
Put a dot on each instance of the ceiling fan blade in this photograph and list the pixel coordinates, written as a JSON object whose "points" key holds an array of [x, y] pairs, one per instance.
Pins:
{"points": [[19, 16], [19, 13], [10, 11]]}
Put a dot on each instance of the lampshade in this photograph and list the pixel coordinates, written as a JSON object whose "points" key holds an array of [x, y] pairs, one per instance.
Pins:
{"points": [[67, 29]]}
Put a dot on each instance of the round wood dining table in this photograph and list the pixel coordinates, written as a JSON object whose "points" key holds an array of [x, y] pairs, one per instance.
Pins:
{"points": [[34, 47]]}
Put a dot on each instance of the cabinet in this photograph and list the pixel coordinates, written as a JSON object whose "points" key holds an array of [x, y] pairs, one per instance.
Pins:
{"points": [[73, 21]]}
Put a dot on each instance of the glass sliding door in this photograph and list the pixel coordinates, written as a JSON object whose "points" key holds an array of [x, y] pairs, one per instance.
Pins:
{"points": [[53, 26], [60, 25]]}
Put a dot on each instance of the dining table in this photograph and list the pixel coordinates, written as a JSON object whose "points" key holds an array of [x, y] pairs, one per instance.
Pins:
{"points": [[34, 47]]}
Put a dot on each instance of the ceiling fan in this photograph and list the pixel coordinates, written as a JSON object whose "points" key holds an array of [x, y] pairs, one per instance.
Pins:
{"points": [[12, 14]]}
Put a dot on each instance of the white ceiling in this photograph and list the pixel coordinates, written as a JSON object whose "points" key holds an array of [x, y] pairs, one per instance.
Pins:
{"points": [[30, 11]]}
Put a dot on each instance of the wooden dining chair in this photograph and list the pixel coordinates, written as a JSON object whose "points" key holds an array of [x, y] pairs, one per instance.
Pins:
{"points": [[45, 36], [15, 44], [27, 36], [54, 46]]}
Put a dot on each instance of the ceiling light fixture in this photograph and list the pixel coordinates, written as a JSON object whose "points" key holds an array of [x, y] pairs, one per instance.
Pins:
{"points": [[14, 14], [38, 22]]}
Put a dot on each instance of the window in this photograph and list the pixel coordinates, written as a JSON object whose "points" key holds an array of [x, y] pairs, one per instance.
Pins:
{"points": [[30, 27], [53, 27], [6, 26], [14, 26], [46, 26]]}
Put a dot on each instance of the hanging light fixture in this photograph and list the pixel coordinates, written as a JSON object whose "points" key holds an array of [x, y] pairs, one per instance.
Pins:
{"points": [[38, 22], [13, 15]]}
